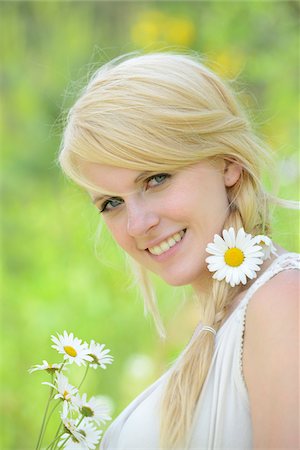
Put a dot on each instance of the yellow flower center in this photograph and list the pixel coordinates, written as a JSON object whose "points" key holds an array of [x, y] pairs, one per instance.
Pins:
{"points": [[70, 350], [65, 395], [234, 257]]}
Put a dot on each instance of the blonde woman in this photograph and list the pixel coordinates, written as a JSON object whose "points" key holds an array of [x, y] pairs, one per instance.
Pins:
{"points": [[169, 159]]}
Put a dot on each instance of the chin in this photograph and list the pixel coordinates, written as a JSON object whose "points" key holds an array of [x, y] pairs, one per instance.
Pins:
{"points": [[181, 279]]}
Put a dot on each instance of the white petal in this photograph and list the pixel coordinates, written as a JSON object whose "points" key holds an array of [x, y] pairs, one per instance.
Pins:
{"points": [[227, 238], [214, 259], [237, 276], [219, 242], [231, 280], [220, 274], [218, 265], [229, 274], [254, 259], [250, 273], [253, 249], [214, 267], [243, 278], [213, 249], [253, 266], [240, 238], [231, 232], [49, 384]]}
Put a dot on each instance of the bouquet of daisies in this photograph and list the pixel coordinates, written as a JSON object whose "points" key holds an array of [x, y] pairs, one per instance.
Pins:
{"points": [[81, 417]]}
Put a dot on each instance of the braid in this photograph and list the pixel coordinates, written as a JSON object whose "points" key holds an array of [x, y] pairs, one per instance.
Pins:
{"points": [[186, 381]]}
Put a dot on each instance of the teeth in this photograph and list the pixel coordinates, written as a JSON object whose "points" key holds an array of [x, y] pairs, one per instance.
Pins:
{"points": [[177, 236], [167, 244]]}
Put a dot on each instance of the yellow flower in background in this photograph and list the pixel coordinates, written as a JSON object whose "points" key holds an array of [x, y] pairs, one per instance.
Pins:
{"points": [[147, 28], [228, 63], [180, 31], [154, 27]]}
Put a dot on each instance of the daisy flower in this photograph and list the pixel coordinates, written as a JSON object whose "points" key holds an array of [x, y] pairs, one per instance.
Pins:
{"points": [[94, 409], [51, 368], [65, 391], [71, 432], [234, 257], [267, 246], [88, 439], [99, 355], [72, 348]]}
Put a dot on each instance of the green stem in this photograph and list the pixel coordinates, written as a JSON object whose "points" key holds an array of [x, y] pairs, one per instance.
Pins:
{"points": [[56, 434], [54, 440], [84, 376], [39, 442], [52, 411], [62, 366]]}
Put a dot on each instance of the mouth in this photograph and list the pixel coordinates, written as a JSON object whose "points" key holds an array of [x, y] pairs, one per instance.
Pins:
{"points": [[165, 245]]}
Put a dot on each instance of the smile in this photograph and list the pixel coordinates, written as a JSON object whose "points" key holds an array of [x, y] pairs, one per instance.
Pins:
{"points": [[164, 246]]}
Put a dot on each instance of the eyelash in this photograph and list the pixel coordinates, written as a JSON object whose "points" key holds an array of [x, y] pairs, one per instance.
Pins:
{"points": [[147, 181], [164, 175], [104, 209]]}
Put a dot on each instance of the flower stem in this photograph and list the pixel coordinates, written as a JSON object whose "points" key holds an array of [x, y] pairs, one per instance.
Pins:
{"points": [[48, 418], [42, 430], [56, 434], [84, 376], [57, 437]]}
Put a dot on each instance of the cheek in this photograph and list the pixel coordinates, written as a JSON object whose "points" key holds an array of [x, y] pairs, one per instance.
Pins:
{"points": [[118, 231]]}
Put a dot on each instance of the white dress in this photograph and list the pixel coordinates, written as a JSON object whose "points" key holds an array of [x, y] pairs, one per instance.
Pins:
{"points": [[222, 417]]}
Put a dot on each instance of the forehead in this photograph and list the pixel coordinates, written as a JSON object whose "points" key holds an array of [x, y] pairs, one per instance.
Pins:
{"points": [[107, 180], [111, 180]]}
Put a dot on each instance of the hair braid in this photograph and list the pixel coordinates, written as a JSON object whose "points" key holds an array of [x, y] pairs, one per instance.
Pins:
{"points": [[186, 381]]}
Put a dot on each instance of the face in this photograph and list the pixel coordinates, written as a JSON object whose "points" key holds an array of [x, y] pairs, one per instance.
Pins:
{"points": [[164, 220]]}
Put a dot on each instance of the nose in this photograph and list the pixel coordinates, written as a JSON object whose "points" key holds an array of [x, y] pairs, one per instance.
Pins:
{"points": [[141, 218]]}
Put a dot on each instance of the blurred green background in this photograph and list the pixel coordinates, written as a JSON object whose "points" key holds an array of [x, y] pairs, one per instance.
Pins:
{"points": [[54, 278]]}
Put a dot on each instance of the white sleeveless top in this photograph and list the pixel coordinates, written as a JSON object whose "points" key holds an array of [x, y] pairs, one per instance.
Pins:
{"points": [[222, 417]]}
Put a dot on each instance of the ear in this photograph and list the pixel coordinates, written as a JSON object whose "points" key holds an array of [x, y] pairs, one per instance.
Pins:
{"points": [[232, 173]]}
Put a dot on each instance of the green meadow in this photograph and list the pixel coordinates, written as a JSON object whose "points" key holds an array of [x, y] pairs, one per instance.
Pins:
{"points": [[59, 272]]}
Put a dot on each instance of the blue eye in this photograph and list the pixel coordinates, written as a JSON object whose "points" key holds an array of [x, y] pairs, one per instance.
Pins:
{"points": [[111, 204], [157, 180]]}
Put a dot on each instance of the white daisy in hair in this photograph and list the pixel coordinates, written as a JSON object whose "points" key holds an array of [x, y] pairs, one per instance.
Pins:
{"points": [[235, 257], [94, 409], [267, 246], [51, 368], [99, 355], [72, 348], [89, 437]]}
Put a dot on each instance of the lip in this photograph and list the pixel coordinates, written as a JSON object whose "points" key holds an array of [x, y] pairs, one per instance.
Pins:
{"points": [[171, 250]]}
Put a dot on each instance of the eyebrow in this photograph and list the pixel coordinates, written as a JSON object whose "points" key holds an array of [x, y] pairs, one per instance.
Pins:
{"points": [[136, 181]]}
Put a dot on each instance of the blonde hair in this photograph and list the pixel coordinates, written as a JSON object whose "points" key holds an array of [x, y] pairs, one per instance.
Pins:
{"points": [[165, 111]]}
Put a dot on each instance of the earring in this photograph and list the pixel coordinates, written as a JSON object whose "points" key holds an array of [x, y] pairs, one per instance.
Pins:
{"points": [[235, 257]]}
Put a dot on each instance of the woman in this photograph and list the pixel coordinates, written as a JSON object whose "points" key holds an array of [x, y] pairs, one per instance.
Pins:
{"points": [[169, 159]]}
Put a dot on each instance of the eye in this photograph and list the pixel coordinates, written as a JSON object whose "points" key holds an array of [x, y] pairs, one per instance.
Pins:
{"points": [[110, 204], [157, 180]]}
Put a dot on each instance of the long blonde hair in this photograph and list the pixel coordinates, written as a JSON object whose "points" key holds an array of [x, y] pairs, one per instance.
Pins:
{"points": [[165, 111]]}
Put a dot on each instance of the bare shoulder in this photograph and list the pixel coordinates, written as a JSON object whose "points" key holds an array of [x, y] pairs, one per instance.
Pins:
{"points": [[272, 319], [271, 361], [277, 299]]}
